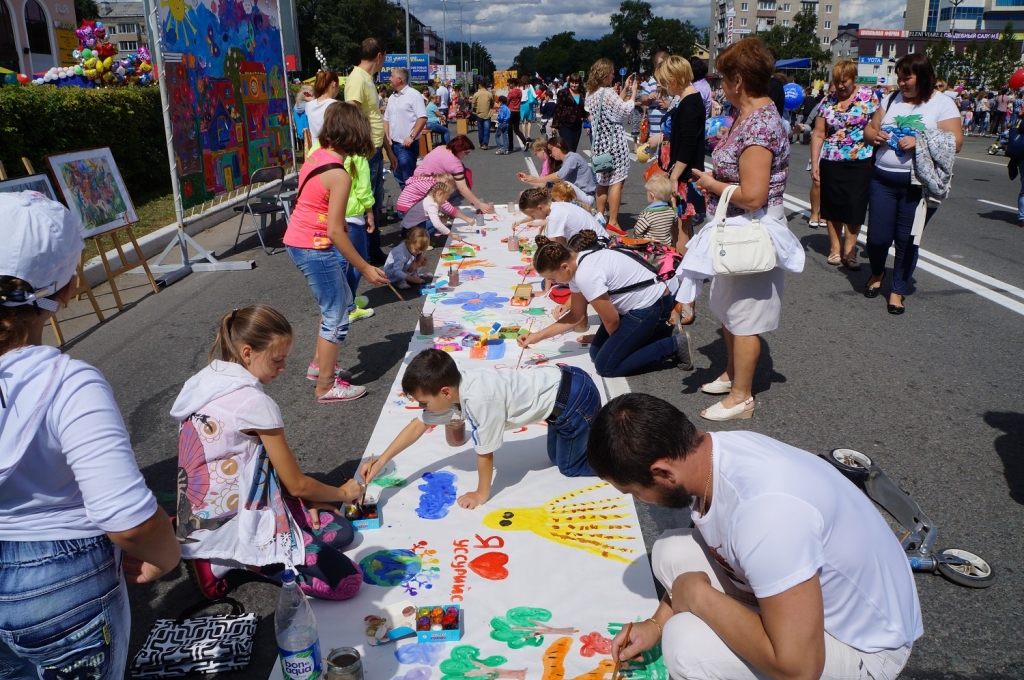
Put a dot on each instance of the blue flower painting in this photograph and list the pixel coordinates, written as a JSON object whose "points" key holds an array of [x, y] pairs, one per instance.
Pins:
{"points": [[476, 302]]}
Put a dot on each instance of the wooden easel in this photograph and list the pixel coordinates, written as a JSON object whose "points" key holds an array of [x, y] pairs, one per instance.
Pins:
{"points": [[83, 286], [125, 265]]}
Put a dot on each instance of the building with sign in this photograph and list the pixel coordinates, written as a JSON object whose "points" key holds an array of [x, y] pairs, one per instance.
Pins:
{"points": [[877, 50], [962, 15], [732, 20], [35, 35]]}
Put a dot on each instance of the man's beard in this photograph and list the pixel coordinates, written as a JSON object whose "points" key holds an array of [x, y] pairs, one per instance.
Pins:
{"points": [[675, 497]]}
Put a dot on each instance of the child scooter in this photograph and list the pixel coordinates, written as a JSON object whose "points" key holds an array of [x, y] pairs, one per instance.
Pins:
{"points": [[959, 566]]}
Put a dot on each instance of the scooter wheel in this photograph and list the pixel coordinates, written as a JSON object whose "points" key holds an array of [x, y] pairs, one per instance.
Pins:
{"points": [[853, 464], [977, 574]]}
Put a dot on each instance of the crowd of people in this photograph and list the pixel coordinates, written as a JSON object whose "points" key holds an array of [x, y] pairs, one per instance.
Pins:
{"points": [[788, 570]]}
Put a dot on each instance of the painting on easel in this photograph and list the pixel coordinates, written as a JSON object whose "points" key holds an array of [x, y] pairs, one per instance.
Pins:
{"points": [[40, 183], [93, 189]]}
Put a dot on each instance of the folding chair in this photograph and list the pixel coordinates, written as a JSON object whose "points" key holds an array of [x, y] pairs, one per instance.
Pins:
{"points": [[262, 205]]}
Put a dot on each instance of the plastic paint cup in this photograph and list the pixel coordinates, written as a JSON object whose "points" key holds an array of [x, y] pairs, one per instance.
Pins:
{"points": [[455, 432], [512, 207], [479, 219], [426, 324]]}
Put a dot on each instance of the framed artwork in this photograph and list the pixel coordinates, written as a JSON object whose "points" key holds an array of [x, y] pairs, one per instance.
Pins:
{"points": [[40, 183], [93, 189]]}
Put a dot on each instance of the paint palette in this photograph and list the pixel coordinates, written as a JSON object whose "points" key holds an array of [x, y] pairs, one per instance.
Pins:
{"points": [[439, 623], [364, 517], [522, 295]]}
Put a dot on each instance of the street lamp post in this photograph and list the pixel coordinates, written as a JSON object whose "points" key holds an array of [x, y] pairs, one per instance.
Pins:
{"points": [[475, 21], [408, 51]]}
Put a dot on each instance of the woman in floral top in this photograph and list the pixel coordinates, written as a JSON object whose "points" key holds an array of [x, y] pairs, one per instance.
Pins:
{"points": [[755, 156], [841, 161]]}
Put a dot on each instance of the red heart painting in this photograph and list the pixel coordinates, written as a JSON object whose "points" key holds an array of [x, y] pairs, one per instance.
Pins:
{"points": [[490, 565]]}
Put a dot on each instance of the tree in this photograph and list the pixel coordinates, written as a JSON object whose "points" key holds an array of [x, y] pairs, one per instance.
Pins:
{"points": [[1005, 58], [465, 663], [673, 36], [523, 626], [338, 26], [526, 60], [86, 9], [629, 26]]}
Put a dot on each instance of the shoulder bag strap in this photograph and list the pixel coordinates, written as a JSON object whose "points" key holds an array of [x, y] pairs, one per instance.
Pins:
{"points": [[317, 171]]}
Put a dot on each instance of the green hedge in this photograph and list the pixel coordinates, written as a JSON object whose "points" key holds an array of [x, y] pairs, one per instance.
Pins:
{"points": [[38, 121]]}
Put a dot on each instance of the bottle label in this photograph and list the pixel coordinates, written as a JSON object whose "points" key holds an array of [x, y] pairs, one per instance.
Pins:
{"points": [[302, 665]]}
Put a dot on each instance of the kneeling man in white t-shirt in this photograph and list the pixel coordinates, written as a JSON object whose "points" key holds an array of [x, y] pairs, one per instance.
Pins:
{"points": [[790, 571]]}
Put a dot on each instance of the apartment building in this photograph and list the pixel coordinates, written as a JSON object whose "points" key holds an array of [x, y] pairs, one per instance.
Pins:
{"points": [[126, 25], [732, 20], [962, 15]]}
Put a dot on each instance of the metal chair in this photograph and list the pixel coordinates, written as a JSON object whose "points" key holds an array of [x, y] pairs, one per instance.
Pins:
{"points": [[263, 205]]}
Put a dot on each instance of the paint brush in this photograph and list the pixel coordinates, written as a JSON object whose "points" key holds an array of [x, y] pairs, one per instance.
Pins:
{"points": [[399, 295], [523, 351], [625, 640], [369, 468]]}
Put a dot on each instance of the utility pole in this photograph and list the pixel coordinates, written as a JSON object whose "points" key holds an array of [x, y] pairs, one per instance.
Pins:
{"points": [[408, 51]]}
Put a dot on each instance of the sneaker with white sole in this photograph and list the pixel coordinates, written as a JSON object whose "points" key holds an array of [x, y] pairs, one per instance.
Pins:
{"points": [[361, 302], [357, 314], [342, 391], [313, 372]]}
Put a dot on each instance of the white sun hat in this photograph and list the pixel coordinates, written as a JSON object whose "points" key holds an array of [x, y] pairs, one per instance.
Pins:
{"points": [[42, 242]]}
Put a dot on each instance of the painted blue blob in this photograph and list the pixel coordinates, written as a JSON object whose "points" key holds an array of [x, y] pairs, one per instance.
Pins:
{"points": [[389, 568], [420, 652], [421, 673], [438, 495]]}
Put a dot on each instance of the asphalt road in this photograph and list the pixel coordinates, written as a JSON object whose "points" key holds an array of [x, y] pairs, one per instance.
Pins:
{"points": [[934, 396]]}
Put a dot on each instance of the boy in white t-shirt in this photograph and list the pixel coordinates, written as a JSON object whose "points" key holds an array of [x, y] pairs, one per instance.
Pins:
{"points": [[491, 402], [561, 221], [789, 572]]}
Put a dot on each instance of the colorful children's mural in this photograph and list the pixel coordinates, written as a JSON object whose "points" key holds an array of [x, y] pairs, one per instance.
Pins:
{"points": [[228, 93]]}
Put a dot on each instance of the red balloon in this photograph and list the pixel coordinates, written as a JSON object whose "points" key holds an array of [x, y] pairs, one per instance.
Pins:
{"points": [[1017, 79], [24, 79]]}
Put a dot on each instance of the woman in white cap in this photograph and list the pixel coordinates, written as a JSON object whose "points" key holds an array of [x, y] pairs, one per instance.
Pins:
{"points": [[71, 495]]}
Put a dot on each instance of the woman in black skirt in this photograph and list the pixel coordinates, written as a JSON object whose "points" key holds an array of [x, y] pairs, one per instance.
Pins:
{"points": [[841, 160]]}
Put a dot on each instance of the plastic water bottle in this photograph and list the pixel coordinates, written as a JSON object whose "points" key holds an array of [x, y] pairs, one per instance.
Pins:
{"points": [[297, 638]]}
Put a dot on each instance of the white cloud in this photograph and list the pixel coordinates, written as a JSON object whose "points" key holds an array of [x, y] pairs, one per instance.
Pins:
{"points": [[505, 28]]}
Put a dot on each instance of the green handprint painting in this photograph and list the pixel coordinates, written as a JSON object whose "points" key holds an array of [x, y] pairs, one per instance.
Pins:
{"points": [[524, 626], [465, 664]]}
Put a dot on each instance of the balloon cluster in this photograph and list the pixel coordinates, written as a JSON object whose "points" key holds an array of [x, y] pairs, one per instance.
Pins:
{"points": [[97, 62]]}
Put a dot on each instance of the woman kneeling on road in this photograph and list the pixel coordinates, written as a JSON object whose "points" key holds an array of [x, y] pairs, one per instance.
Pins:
{"points": [[633, 304]]}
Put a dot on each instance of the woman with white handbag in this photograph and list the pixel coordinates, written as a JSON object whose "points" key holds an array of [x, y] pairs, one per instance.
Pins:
{"points": [[746, 246]]}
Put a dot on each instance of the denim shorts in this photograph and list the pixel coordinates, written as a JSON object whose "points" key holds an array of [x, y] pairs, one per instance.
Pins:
{"points": [[63, 610], [325, 273]]}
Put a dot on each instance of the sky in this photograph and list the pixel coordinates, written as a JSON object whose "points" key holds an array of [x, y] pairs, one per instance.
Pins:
{"points": [[506, 27]]}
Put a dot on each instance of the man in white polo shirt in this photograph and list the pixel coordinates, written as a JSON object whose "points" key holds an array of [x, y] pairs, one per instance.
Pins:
{"points": [[790, 571], [404, 120]]}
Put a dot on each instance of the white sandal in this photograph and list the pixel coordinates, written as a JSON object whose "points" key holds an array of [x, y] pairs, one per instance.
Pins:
{"points": [[717, 387], [737, 412]]}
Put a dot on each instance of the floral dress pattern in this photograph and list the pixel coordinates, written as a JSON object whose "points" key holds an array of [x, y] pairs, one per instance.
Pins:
{"points": [[609, 135], [844, 128], [762, 127]]}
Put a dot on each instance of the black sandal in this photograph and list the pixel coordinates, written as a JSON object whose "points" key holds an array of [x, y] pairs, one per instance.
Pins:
{"points": [[897, 309], [870, 292]]}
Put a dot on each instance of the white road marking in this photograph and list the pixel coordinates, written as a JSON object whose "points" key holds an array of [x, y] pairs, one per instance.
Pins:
{"points": [[977, 160], [587, 151], [931, 265], [531, 167], [998, 205]]}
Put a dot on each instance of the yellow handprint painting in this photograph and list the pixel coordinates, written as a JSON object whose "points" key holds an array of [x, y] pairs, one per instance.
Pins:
{"points": [[586, 525]]}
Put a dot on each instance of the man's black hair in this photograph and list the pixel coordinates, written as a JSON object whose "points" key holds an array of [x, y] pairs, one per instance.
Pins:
{"points": [[428, 372], [699, 67], [634, 431]]}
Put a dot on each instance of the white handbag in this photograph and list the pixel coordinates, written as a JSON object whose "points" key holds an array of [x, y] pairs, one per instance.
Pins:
{"points": [[739, 250]]}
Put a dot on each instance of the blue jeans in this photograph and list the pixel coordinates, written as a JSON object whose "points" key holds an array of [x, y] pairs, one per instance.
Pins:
{"points": [[377, 182], [502, 134], [893, 200], [406, 162], [325, 273], [360, 240], [1020, 201], [483, 131], [568, 433], [63, 610], [643, 337], [441, 130]]}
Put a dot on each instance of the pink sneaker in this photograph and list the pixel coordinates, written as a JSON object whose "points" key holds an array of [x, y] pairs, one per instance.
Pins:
{"points": [[342, 391], [313, 372], [202, 577]]}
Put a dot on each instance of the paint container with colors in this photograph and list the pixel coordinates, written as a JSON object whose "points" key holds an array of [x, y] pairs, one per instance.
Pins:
{"points": [[364, 517], [439, 623]]}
